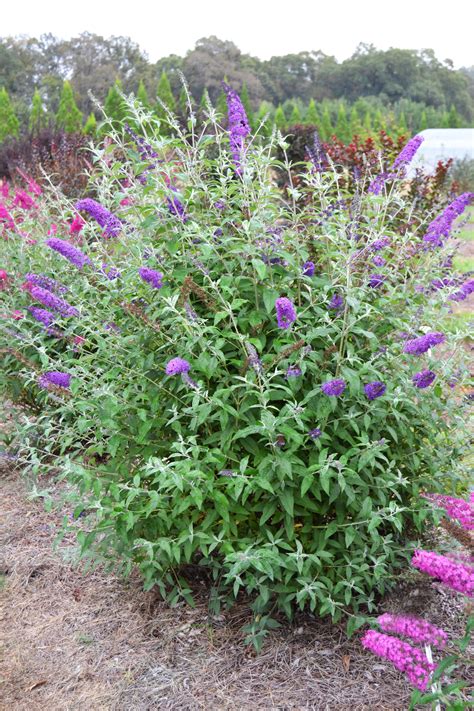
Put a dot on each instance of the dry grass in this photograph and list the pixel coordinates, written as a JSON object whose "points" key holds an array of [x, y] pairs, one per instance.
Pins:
{"points": [[75, 640]]}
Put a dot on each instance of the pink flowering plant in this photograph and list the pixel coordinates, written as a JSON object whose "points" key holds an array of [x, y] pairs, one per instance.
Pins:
{"points": [[253, 384]]}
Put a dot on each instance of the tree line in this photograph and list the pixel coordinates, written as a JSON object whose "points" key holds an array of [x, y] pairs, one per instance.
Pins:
{"points": [[51, 80]]}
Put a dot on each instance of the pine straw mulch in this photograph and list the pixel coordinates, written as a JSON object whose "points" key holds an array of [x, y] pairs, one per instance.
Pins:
{"points": [[76, 640]]}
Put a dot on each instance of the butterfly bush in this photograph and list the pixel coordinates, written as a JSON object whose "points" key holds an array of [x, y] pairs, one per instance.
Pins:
{"points": [[251, 334]]}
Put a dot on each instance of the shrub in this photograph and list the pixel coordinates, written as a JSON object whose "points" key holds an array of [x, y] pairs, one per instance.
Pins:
{"points": [[242, 394]]}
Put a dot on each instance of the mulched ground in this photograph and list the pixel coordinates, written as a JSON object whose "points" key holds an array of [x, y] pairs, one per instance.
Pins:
{"points": [[93, 641]]}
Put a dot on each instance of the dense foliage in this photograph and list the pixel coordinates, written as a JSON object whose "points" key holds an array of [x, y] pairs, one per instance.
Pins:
{"points": [[232, 380], [412, 89]]}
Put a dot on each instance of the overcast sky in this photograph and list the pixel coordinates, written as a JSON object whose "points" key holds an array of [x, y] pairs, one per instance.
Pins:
{"points": [[260, 27]]}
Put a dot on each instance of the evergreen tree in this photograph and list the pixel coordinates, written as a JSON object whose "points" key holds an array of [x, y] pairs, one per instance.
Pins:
{"points": [[263, 119], [423, 123], [142, 95], [445, 120], [311, 117], [69, 118], [342, 125], [355, 124], [165, 96], [114, 105], [37, 118], [221, 104], [295, 116], [326, 129], [90, 127], [279, 119], [9, 123], [368, 129], [454, 118], [402, 129]]}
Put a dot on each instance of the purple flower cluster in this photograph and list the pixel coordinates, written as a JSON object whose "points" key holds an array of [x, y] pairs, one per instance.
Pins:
{"points": [[374, 390], [111, 224], [407, 153], [379, 244], [176, 207], [334, 388], [308, 269], [459, 509], [415, 628], [286, 313], [378, 260], [253, 358], [46, 283], [110, 272], [315, 433], [54, 377], [417, 346], [151, 276], [376, 280], [441, 226], [463, 292], [423, 379], [239, 127], [146, 153], [293, 372], [458, 576], [176, 366], [317, 154], [336, 303], [42, 315], [404, 657], [53, 302], [67, 250]]}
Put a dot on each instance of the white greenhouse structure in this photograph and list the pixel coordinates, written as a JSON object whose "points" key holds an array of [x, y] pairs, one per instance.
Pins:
{"points": [[442, 144]]}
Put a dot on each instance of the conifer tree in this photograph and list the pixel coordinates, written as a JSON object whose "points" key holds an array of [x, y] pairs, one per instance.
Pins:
{"points": [[295, 116], [69, 118], [166, 98], [114, 105], [368, 129], [279, 119], [37, 119], [90, 128], [9, 123], [355, 124], [445, 120], [221, 104], [311, 117], [342, 125], [142, 95], [454, 118], [402, 125], [423, 124], [326, 129]]}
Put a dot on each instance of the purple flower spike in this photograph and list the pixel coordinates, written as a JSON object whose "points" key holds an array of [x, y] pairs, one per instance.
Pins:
{"points": [[151, 276], [286, 313], [404, 657], [407, 154], [315, 434], [53, 302], [67, 250], [176, 366], [293, 372], [424, 378], [374, 390], [111, 224], [334, 388], [336, 303], [415, 628], [378, 260], [417, 346], [54, 377], [309, 269], [42, 315], [239, 127], [441, 226], [456, 576], [376, 280]]}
